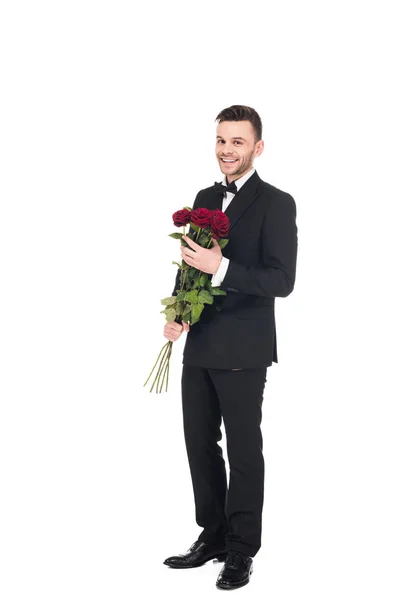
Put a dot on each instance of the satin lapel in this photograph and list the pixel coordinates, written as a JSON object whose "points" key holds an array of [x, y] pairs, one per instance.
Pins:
{"points": [[240, 202]]}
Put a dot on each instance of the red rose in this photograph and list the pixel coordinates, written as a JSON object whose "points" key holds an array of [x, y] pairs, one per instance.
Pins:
{"points": [[181, 217], [219, 224], [201, 217]]}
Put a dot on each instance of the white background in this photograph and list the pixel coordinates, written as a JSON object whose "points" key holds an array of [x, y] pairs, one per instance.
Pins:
{"points": [[107, 127]]}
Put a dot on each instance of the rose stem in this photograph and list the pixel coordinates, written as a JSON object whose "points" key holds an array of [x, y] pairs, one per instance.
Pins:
{"points": [[166, 386], [161, 361], [155, 364], [160, 370], [165, 369]]}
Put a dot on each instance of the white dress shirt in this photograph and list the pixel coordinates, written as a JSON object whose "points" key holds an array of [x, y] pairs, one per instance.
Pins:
{"points": [[218, 277]]}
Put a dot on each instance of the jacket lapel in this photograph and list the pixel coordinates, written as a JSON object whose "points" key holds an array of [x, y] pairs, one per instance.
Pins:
{"points": [[240, 202]]}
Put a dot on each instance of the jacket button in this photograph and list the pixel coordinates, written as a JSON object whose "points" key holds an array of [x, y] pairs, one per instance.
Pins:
{"points": [[218, 308]]}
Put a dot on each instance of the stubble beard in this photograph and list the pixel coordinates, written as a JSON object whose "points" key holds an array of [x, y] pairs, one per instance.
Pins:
{"points": [[245, 166]]}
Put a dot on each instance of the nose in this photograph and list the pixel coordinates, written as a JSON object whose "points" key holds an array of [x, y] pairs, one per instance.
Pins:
{"points": [[227, 150]]}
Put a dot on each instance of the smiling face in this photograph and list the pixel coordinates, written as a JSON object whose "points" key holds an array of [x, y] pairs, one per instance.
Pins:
{"points": [[236, 148]]}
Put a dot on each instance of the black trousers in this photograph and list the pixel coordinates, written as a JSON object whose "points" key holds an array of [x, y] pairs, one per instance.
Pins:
{"points": [[230, 515]]}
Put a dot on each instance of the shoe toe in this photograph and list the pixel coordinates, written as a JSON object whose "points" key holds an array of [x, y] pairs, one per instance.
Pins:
{"points": [[173, 560], [235, 573], [228, 583]]}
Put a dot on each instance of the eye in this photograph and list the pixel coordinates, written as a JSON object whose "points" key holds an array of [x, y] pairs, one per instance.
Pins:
{"points": [[219, 141], [238, 142]]}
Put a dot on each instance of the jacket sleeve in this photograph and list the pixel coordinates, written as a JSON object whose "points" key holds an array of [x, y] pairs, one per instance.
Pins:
{"points": [[177, 284], [276, 277]]}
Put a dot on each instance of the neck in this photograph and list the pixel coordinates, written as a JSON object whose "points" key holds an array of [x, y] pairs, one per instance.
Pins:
{"points": [[231, 178]]}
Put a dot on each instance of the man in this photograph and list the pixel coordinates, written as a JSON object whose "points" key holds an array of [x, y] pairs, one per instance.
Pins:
{"points": [[227, 353]]}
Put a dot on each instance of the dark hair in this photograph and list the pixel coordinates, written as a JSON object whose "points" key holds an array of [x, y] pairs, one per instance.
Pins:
{"points": [[238, 112]]}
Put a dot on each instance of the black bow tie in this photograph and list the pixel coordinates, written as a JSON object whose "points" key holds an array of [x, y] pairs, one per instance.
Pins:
{"points": [[219, 187]]}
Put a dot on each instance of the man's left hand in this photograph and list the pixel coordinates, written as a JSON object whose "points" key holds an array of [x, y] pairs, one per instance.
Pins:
{"points": [[206, 260]]}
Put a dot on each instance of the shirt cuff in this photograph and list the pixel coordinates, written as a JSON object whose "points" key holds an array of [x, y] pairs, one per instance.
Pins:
{"points": [[218, 277]]}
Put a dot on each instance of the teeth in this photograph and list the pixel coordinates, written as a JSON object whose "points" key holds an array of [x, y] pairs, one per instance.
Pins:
{"points": [[230, 160]]}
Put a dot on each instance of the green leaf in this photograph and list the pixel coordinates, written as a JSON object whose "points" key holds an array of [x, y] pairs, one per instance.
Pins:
{"points": [[177, 264], [176, 235], [197, 309], [203, 279], [185, 266], [181, 296], [187, 309], [169, 301], [195, 227], [179, 308], [188, 207], [205, 297], [216, 291], [203, 240], [223, 242], [170, 314], [191, 296]]}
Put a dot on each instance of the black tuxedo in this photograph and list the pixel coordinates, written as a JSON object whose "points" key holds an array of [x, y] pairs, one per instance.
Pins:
{"points": [[238, 330], [225, 363]]}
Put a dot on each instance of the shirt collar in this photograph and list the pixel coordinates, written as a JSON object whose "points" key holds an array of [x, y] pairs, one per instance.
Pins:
{"points": [[242, 180]]}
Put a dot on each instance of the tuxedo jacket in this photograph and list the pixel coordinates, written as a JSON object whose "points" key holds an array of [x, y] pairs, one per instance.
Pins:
{"points": [[238, 330]]}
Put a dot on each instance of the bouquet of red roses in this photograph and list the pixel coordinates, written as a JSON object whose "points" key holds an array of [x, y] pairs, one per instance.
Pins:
{"points": [[195, 286]]}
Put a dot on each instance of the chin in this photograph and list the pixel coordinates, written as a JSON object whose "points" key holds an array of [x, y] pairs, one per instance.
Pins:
{"points": [[228, 170]]}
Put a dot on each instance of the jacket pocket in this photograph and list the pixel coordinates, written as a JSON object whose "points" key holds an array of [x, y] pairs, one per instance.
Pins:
{"points": [[259, 312]]}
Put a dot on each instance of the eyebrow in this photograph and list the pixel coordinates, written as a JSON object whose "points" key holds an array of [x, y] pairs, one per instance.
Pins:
{"points": [[234, 138]]}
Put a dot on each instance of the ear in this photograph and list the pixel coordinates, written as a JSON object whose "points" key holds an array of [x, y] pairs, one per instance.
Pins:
{"points": [[259, 147]]}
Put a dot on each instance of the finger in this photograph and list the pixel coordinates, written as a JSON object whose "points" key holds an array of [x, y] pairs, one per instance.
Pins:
{"points": [[170, 339], [188, 252], [189, 261], [189, 255], [174, 326], [191, 243], [171, 330]]}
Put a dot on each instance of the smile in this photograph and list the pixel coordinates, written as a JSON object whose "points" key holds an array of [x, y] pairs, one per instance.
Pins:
{"points": [[229, 160]]}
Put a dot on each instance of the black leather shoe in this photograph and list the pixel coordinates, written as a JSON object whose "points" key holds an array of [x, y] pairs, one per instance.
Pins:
{"points": [[198, 554], [236, 571]]}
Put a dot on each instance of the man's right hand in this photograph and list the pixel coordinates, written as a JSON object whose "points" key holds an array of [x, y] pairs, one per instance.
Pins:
{"points": [[173, 331]]}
